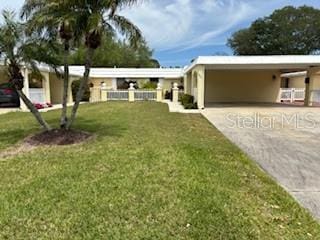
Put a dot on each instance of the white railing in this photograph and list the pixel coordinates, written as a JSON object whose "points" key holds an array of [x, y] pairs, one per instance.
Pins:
{"points": [[292, 94], [37, 95], [118, 95], [315, 96], [145, 95]]}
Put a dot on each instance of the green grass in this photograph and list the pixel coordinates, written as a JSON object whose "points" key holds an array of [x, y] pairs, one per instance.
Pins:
{"points": [[149, 174]]}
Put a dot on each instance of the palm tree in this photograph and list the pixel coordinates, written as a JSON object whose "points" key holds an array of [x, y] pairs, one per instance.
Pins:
{"points": [[18, 51], [51, 19], [97, 18], [79, 20]]}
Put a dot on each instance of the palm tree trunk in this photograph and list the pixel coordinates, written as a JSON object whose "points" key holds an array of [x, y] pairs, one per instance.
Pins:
{"points": [[34, 111], [83, 83], [63, 119]]}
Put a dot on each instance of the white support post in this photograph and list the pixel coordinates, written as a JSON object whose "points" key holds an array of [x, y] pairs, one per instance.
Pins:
{"points": [[159, 93], [103, 93], [91, 95], [175, 93], [25, 89], [200, 87], [185, 83], [131, 92], [70, 97], [292, 95], [114, 84], [307, 94], [46, 86]]}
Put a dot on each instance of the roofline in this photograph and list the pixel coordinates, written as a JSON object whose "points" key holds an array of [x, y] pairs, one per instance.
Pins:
{"points": [[274, 60], [294, 74], [218, 62], [101, 72]]}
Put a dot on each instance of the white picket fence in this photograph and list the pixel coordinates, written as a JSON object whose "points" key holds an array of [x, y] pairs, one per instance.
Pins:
{"points": [[139, 95], [118, 95], [37, 95], [292, 94], [145, 95]]}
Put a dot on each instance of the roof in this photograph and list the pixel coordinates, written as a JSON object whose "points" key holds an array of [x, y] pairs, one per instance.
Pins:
{"points": [[294, 74], [128, 72], [286, 63], [257, 62]]}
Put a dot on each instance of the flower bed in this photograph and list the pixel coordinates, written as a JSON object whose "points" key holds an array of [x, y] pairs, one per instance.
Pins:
{"points": [[42, 105]]}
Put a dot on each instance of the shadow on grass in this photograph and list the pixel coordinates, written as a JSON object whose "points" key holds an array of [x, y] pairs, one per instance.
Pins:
{"points": [[99, 127]]}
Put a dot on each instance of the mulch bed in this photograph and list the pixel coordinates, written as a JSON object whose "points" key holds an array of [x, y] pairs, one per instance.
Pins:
{"points": [[58, 137]]}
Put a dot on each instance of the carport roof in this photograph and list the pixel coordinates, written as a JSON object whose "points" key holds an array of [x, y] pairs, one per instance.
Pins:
{"points": [[257, 62]]}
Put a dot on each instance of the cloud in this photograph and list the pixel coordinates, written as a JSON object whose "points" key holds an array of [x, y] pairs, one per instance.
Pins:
{"points": [[185, 24]]}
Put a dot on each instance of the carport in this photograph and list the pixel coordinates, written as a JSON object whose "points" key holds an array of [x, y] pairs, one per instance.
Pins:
{"points": [[246, 79]]}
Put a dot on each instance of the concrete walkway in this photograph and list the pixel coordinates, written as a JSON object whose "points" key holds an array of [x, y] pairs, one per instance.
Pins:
{"points": [[178, 108], [284, 141], [7, 110]]}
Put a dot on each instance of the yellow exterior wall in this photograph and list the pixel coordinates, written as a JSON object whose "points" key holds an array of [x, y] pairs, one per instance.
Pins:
{"points": [[187, 83], [97, 82], [3, 75], [56, 87], [198, 80], [242, 86], [297, 82], [168, 83], [316, 82]]}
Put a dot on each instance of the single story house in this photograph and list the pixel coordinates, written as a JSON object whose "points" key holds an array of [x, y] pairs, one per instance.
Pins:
{"points": [[49, 88], [116, 78], [210, 79]]}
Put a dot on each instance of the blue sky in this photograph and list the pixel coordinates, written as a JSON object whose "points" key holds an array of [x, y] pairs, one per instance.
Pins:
{"points": [[180, 30]]}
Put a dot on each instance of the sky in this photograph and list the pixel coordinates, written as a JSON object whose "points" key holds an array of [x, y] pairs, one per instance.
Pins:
{"points": [[180, 30]]}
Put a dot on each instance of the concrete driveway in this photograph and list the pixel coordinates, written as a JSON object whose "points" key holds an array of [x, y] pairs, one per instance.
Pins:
{"points": [[283, 140]]}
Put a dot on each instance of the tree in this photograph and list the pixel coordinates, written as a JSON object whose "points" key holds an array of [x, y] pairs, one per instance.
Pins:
{"points": [[51, 19], [88, 21], [96, 19], [19, 51], [120, 54], [287, 31]]}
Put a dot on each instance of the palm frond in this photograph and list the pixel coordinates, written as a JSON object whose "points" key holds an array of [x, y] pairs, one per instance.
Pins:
{"points": [[128, 29]]}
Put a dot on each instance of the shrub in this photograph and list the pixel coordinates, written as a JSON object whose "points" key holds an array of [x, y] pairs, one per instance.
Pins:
{"points": [[186, 98], [150, 85], [75, 87], [191, 106], [188, 101]]}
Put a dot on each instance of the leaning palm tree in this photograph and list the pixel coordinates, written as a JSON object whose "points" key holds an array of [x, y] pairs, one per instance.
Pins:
{"points": [[77, 20], [53, 19], [18, 51], [94, 20]]}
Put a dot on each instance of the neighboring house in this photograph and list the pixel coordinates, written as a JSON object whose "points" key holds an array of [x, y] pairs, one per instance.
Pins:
{"points": [[212, 79], [45, 90]]}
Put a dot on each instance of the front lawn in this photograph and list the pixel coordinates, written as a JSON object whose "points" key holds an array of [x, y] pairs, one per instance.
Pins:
{"points": [[148, 174]]}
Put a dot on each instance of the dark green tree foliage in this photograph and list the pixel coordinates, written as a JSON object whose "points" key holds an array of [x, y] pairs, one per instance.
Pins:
{"points": [[287, 31], [116, 53]]}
